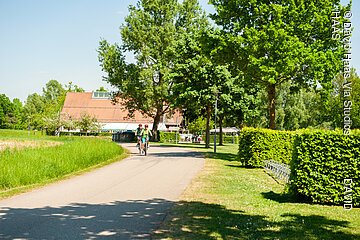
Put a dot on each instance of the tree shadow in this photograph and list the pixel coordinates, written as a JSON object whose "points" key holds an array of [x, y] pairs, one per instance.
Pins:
{"points": [[117, 220], [177, 154], [231, 157], [183, 145], [137, 219], [212, 221]]}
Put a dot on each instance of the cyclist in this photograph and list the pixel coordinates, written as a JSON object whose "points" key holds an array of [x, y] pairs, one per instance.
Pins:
{"points": [[138, 134], [145, 134]]}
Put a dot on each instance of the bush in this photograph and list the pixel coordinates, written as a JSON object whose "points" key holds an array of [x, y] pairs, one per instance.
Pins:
{"points": [[258, 145], [167, 137], [321, 161], [226, 139]]}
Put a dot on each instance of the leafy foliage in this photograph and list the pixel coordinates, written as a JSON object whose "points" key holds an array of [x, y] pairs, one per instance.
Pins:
{"points": [[280, 41], [258, 145], [320, 163], [198, 125], [320, 160], [88, 123], [10, 113], [150, 31], [42, 111], [168, 137]]}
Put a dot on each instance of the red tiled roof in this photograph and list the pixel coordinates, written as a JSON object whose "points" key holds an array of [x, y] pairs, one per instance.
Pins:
{"points": [[103, 110]]}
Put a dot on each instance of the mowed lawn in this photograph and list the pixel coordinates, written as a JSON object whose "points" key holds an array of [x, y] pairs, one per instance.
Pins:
{"points": [[227, 201], [27, 161]]}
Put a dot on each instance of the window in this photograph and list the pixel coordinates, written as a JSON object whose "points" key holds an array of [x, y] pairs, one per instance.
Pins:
{"points": [[101, 95]]}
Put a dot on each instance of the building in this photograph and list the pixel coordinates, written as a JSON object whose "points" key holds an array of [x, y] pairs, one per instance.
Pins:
{"points": [[113, 117]]}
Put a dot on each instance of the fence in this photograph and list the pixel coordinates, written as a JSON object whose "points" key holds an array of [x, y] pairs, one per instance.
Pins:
{"points": [[127, 136], [279, 170]]}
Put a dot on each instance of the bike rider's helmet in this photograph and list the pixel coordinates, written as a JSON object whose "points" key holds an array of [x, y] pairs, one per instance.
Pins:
{"points": [[146, 125], [140, 125]]}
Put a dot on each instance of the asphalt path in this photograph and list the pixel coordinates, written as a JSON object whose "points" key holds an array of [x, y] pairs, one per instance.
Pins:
{"points": [[124, 200]]}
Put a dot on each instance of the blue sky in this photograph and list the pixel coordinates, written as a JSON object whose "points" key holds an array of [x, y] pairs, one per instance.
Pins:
{"points": [[51, 39]]}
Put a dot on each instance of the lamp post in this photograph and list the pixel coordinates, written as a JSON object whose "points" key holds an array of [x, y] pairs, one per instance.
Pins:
{"points": [[216, 99], [177, 131]]}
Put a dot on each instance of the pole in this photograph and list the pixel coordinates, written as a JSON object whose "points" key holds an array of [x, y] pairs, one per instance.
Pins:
{"points": [[215, 124], [177, 130]]}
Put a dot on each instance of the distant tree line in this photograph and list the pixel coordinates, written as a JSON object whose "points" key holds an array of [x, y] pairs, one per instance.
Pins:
{"points": [[42, 111]]}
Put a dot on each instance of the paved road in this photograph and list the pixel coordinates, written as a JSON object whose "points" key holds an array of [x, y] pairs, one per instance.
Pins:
{"points": [[124, 200]]}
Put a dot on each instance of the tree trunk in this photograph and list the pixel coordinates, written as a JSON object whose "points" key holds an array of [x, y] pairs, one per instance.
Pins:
{"points": [[221, 131], [156, 125], [208, 115], [271, 101]]}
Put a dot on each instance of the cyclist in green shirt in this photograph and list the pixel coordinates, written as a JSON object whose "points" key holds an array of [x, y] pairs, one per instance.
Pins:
{"points": [[145, 134]]}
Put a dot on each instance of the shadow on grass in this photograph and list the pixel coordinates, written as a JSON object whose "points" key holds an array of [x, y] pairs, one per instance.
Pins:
{"points": [[224, 156], [281, 197], [197, 220]]}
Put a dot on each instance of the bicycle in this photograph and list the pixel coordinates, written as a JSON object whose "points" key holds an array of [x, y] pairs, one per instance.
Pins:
{"points": [[139, 143], [144, 148]]}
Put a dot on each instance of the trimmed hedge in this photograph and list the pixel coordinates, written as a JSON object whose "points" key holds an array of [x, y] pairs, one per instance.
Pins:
{"points": [[167, 137], [321, 161], [258, 145], [102, 134], [226, 139]]}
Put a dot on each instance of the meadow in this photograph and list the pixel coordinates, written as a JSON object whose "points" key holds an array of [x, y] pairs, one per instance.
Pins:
{"points": [[45, 159]]}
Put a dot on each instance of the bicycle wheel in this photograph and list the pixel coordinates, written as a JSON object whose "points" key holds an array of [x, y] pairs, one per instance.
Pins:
{"points": [[146, 148]]}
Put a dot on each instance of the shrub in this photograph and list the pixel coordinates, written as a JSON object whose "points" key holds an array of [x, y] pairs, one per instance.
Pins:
{"points": [[321, 161], [258, 145], [226, 139], [167, 137]]}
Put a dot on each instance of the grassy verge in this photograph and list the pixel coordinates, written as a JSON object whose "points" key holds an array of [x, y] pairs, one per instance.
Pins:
{"points": [[26, 168], [227, 201], [7, 133]]}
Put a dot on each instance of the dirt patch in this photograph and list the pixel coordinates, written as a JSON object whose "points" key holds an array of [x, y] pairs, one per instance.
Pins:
{"points": [[15, 144]]}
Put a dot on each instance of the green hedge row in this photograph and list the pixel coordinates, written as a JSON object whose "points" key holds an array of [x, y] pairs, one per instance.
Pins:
{"points": [[103, 134], [258, 145], [167, 137], [226, 139], [321, 162]]}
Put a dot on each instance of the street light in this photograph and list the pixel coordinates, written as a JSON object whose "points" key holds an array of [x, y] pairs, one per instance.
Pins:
{"points": [[177, 131], [216, 99]]}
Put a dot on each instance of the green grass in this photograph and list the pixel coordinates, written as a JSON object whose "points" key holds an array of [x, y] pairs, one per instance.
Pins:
{"points": [[20, 134], [21, 169], [227, 201]]}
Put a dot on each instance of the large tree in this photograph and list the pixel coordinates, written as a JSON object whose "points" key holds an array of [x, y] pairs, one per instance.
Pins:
{"points": [[34, 111], [199, 79], [11, 113], [273, 42], [149, 31]]}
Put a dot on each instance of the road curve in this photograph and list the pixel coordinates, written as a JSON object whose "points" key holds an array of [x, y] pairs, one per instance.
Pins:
{"points": [[124, 200]]}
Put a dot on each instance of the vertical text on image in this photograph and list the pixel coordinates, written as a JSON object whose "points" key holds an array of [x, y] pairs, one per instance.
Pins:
{"points": [[344, 31]]}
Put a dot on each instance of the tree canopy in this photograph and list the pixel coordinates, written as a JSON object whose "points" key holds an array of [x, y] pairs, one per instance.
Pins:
{"points": [[273, 42], [151, 31]]}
